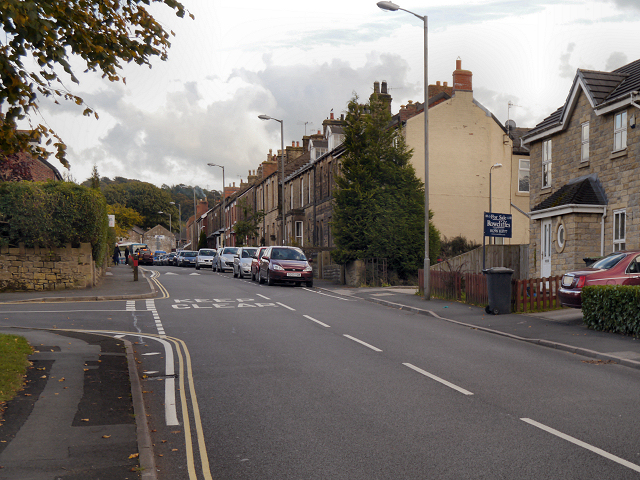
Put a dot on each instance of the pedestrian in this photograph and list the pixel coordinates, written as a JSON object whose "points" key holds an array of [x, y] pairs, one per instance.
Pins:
{"points": [[126, 255], [116, 255]]}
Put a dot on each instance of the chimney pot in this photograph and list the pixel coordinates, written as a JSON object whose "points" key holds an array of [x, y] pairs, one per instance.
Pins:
{"points": [[331, 115], [458, 64], [384, 86], [293, 143], [438, 83], [445, 84], [376, 87]]}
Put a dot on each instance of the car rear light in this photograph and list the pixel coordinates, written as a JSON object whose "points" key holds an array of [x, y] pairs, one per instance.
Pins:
{"points": [[581, 281]]}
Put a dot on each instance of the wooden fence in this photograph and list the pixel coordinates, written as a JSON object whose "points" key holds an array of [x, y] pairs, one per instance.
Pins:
{"points": [[515, 257], [531, 295]]}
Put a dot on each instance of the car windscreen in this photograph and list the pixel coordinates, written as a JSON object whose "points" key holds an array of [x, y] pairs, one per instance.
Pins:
{"points": [[190, 254], [230, 251], [609, 261], [248, 252], [206, 253], [287, 254]]}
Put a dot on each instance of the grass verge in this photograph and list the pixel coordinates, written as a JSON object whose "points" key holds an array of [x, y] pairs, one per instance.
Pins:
{"points": [[14, 354]]}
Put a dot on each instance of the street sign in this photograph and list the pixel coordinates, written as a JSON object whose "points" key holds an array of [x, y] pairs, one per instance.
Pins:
{"points": [[497, 225], [112, 220]]}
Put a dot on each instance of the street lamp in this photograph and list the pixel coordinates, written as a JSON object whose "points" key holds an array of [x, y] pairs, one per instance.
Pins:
{"points": [[224, 227], [267, 117], [169, 218], [497, 165], [484, 255], [427, 281], [179, 221]]}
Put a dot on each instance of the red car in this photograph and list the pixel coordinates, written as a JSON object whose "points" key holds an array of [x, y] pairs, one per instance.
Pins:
{"points": [[618, 268], [255, 263], [285, 264]]}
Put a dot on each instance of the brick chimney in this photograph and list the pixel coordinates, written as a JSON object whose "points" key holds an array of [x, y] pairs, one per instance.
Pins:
{"points": [[462, 78]]}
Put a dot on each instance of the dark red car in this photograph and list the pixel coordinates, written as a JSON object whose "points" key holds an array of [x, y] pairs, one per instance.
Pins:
{"points": [[618, 268], [255, 263], [285, 264]]}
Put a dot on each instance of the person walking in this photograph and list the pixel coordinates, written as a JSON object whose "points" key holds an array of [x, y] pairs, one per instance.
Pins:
{"points": [[126, 255], [116, 256]]}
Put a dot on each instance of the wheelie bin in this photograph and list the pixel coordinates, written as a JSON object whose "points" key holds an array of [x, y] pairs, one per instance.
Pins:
{"points": [[499, 289]]}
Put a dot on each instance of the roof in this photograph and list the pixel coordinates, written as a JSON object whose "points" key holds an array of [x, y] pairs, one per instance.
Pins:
{"points": [[602, 90], [585, 190]]}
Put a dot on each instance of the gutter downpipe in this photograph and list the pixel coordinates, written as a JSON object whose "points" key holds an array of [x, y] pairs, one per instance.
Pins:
{"points": [[604, 215]]}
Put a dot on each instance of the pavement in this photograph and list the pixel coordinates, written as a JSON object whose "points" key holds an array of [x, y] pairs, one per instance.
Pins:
{"points": [[81, 415]]}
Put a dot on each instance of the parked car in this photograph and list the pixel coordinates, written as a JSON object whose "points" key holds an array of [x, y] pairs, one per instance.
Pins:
{"points": [[255, 263], [168, 258], [157, 255], [188, 259], [205, 257], [224, 260], [285, 264], [618, 268], [144, 256], [242, 261]]}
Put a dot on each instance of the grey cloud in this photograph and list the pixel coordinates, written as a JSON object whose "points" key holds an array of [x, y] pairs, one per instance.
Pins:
{"points": [[566, 70], [616, 60], [631, 4]]}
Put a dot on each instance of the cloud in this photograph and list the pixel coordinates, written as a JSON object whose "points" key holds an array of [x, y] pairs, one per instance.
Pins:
{"points": [[616, 60], [631, 4], [566, 70]]}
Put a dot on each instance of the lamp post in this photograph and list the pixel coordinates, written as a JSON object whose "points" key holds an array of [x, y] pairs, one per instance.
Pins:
{"points": [[164, 213], [267, 117], [179, 222], [224, 226], [497, 165], [484, 256], [427, 281]]}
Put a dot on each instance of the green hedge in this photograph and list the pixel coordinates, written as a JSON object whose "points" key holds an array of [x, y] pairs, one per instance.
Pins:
{"points": [[53, 214], [612, 308]]}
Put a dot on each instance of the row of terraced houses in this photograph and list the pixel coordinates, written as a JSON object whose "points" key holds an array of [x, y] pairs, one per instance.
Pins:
{"points": [[569, 183]]}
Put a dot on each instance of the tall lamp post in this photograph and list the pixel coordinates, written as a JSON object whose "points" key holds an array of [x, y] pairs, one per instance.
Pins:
{"points": [[427, 274], [224, 226], [484, 256], [179, 221], [165, 213], [267, 117]]}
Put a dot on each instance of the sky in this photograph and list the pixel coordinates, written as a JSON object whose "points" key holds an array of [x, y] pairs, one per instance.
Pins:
{"points": [[297, 61]]}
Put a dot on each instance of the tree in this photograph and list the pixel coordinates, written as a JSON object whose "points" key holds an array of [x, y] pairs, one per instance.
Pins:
{"points": [[95, 178], [103, 34], [247, 227], [202, 241], [379, 209], [144, 198], [126, 218]]}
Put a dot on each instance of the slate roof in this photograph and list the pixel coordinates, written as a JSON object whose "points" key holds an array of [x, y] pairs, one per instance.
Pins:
{"points": [[579, 191], [601, 87]]}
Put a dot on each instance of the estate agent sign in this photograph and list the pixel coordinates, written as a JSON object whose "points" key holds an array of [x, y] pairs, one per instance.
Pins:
{"points": [[497, 225]]}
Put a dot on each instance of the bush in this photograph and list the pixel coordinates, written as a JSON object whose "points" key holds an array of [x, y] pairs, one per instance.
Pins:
{"points": [[53, 214], [612, 308], [455, 246]]}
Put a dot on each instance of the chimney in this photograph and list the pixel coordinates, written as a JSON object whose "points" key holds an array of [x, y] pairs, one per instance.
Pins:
{"points": [[376, 87], [293, 143], [331, 116], [384, 87], [462, 78]]}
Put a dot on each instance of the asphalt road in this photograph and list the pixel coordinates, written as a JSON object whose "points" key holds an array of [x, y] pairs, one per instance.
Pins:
{"points": [[260, 382]]}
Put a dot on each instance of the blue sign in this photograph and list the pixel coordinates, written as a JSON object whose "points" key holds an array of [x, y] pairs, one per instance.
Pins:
{"points": [[497, 225]]}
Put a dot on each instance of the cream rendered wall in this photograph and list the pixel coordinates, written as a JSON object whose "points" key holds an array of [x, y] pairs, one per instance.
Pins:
{"points": [[464, 142]]}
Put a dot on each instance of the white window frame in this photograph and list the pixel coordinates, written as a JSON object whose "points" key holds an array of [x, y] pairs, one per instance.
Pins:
{"points": [[620, 131], [546, 163], [619, 229], [299, 233], [584, 149], [521, 172]]}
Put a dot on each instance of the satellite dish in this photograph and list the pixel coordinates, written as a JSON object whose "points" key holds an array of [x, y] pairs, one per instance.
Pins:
{"points": [[510, 124]]}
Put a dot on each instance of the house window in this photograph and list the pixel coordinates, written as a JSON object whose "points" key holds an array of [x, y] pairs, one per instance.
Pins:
{"points": [[301, 192], [309, 182], [620, 131], [619, 230], [299, 238], [291, 195], [546, 163], [523, 176], [584, 153]]}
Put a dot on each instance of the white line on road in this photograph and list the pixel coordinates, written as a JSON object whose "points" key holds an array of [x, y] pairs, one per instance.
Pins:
{"points": [[317, 321], [362, 343], [327, 295], [582, 444], [438, 379], [283, 305], [266, 298]]}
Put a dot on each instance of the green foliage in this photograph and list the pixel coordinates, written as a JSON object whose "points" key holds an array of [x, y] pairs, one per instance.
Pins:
{"points": [[612, 308], [101, 34], [379, 209], [246, 228], [14, 361], [126, 218], [52, 214], [455, 246], [202, 241], [95, 178], [144, 198]]}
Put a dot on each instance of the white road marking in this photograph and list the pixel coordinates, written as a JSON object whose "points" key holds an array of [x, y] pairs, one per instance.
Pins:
{"points": [[582, 444], [171, 273], [149, 372], [362, 343], [266, 298], [327, 295], [151, 353], [194, 273], [317, 321], [438, 379], [283, 305]]}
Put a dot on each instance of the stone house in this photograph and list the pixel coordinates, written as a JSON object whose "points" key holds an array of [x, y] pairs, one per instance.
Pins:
{"points": [[585, 196], [466, 141], [159, 238]]}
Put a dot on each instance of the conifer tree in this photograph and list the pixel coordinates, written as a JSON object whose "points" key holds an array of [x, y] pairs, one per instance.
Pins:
{"points": [[379, 209]]}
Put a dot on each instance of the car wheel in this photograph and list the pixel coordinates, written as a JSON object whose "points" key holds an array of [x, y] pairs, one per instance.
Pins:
{"points": [[253, 276], [269, 279], [240, 274], [310, 284], [260, 279]]}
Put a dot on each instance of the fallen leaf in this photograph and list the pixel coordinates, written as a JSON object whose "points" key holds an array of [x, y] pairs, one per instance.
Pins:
{"points": [[160, 455], [43, 376], [106, 436], [164, 441], [134, 455], [84, 419], [61, 380], [174, 449]]}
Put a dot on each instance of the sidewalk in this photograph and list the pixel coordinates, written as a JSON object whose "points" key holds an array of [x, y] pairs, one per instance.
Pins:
{"points": [[559, 329]]}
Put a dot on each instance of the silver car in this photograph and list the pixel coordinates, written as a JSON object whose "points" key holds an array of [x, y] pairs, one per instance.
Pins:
{"points": [[224, 260], [205, 258], [242, 261]]}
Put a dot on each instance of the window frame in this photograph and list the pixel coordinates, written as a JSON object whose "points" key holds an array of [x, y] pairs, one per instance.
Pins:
{"points": [[528, 170], [547, 163], [584, 142], [620, 132], [299, 238], [619, 230]]}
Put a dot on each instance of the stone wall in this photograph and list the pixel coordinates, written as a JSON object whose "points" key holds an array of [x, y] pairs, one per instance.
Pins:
{"points": [[332, 273], [355, 273], [36, 269]]}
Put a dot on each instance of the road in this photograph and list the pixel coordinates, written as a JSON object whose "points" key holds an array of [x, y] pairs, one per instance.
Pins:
{"points": [[247, 381]]}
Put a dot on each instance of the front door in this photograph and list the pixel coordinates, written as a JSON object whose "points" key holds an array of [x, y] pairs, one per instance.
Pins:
{"points": [[546, 249]]}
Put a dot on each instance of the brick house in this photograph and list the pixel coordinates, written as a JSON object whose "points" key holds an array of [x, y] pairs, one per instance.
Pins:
{"points": [[22, 166], [585, 191]]}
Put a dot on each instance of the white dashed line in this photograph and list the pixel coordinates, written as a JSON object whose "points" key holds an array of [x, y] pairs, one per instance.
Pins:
{"points": [[438, 379], [317, 321], [283, 305], [362, 343]]}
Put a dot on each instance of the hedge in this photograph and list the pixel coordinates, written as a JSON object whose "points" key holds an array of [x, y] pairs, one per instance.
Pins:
{"points": [[612, 308], [52, 214]]}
